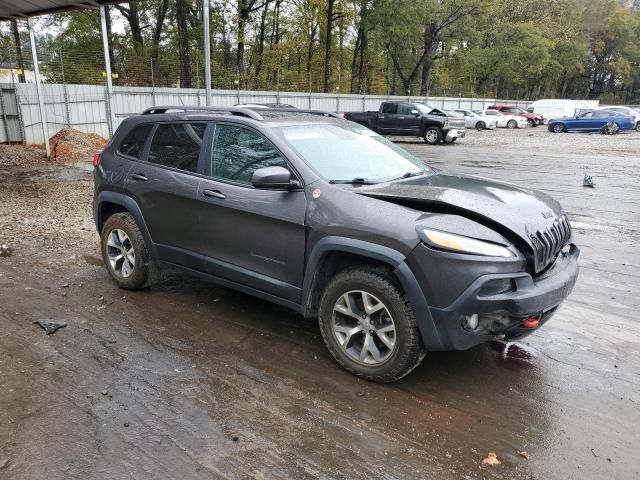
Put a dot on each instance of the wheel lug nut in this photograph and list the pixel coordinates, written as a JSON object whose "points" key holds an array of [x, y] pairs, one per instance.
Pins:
{"points": [[370, 332], [370, 322]]}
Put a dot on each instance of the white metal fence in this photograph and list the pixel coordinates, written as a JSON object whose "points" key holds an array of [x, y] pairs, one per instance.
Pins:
{"points": [[86, 107]]}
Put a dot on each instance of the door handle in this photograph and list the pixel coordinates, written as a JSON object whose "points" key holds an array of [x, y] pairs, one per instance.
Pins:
{"points": [[139, 177], [213, 194]]}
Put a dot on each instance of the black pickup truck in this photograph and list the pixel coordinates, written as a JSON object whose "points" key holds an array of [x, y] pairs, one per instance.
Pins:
{"points": [[411, 120]]}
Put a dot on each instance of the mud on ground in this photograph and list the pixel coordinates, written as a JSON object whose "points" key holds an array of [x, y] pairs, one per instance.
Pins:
{"points": [[188, 380]]}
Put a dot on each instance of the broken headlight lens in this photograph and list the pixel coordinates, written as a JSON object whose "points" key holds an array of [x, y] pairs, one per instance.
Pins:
{"points": [[458, 243]]}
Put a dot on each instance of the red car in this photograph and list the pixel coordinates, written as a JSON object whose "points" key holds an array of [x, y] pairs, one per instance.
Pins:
{"points": [[533, 119]]}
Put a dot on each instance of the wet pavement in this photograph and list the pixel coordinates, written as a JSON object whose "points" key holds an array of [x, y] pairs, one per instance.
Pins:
{"points": [[189, 380]]}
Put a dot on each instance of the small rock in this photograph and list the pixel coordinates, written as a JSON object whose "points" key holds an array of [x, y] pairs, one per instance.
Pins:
{"points": [[3, 463], [588, 181], [235, 439], [105, 392], [51, 326], [5, 250], [65, 285], [126, 424]]}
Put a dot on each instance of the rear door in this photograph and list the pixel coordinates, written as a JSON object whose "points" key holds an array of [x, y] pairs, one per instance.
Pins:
{"points": [[251, 236], [165, 185], [388, 119]]}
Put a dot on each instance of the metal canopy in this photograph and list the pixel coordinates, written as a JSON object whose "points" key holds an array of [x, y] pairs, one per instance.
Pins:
{"points": [[10, 9]]}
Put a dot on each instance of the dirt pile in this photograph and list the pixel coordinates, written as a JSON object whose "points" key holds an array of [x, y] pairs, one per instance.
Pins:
{"points": [[71, 145]]}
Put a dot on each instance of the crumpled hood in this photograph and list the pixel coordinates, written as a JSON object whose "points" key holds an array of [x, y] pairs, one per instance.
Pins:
{"points": [[518, 210]]}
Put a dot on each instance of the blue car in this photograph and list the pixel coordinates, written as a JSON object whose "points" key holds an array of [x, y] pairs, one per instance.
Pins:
{"points": [[591, 121]]}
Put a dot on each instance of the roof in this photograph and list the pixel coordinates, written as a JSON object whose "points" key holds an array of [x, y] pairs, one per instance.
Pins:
{"points": [[25, 8]]}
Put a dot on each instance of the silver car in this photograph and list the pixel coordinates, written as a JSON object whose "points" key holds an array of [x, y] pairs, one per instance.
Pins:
{"points": [[477, 121]]}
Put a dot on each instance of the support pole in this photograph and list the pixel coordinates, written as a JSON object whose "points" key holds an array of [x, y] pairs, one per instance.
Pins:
{"points": [[107, 68], [36, 71], [207, 51]]}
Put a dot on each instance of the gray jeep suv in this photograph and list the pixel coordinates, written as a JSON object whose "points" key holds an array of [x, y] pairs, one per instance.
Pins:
{"points": [[394, 258]]}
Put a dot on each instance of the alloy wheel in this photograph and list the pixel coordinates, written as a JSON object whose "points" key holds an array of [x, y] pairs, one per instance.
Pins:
{"points": [[120, 253], [432, 136], [364, 328]]}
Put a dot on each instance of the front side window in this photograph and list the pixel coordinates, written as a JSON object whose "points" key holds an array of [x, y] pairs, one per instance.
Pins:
{"points": [[389, 108], [342, 152], [133, 143], [177, 145], [406, 108], [238, 152]]}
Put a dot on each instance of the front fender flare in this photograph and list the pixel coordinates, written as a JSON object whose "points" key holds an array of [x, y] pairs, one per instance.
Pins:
{"points": [[428, 332]]}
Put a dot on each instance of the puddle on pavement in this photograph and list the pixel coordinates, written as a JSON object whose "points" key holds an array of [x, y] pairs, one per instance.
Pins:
{"points": [[515, 354], [93, 260]]}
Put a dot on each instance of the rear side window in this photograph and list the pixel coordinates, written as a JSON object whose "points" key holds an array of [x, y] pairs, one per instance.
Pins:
{"points": [[133, 143], [238, 152], [177, 145], [389, 108]]}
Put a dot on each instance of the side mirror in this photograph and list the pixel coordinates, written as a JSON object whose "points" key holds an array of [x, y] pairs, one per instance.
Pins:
{"points": [[414, 112], [273, 178]]}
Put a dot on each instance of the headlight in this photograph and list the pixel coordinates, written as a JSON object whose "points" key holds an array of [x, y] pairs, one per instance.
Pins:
{"points": [[458, 243]]}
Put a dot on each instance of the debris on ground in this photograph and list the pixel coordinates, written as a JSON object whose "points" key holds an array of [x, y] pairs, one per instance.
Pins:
{"points": [[594, 453], [524, 454], [5, 250], [491, 459], [71, 145], [51, 326], [3, 463], [611, 128], [588, 181]]}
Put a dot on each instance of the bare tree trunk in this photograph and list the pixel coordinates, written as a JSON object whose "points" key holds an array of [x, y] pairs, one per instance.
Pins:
{"points": [[430, 44], [183, 44], [263, 19], [16, 40], [327, 46], [157, 34]]}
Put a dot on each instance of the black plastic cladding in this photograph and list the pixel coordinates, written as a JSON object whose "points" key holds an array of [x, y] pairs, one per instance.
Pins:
{"points": [[549, 241]]}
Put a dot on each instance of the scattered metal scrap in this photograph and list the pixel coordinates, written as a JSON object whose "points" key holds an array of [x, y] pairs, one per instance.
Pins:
{"points": [[51, 326]]}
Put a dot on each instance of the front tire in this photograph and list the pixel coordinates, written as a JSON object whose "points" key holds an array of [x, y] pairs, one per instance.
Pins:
{"points": [[638, 127], [531, 123], [432, 136], [512, 124], [125, 252], [369, 326], [480, 126]]}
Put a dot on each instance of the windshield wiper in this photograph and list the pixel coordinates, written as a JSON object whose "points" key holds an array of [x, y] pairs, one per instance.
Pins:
{"points": [[353, 181], [408, 175]]}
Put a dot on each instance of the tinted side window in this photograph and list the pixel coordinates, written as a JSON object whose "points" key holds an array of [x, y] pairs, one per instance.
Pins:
{"points": [[406, 108], [238, 152], [133, 144], [177, 145], [389, 108]]}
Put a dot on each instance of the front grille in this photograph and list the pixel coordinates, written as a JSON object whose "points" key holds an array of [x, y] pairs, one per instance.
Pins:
{"points": [[548, 241]]}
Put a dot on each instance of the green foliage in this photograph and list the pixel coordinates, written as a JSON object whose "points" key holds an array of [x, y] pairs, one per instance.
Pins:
{"points": [[496, 48]]}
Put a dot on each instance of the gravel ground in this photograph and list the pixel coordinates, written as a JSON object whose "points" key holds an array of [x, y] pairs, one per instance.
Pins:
{"points": [[188, 380]]}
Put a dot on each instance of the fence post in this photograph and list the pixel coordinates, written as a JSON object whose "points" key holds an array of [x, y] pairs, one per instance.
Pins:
{"points": [[107, 67], [364, 103], [337, 103], [153, 84], [36, 71], [65, 90]]}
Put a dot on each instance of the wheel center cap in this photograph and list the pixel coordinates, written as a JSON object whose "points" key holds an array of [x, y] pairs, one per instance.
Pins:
{"points": [[364, 323]]}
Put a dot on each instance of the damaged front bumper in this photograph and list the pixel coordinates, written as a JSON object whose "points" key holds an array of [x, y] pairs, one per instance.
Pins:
{"points": [[453, 134], [505, 305]]}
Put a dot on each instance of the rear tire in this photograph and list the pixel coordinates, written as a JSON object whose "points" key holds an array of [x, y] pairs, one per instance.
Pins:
{"points": [[638, 127], [125, 252], [432, 136], [369, 326], [512, 124]]}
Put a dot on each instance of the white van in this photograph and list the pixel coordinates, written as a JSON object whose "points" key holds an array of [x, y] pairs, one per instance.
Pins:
{"points": [[558, 108]]}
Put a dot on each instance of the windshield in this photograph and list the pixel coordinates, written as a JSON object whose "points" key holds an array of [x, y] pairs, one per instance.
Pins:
{"points": [[349, 151], [423, 108]]}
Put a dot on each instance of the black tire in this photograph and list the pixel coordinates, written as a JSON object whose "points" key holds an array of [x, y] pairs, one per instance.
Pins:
{"points": [[453, 140], [408, 351], [143, 269], [638, 127], [559, 128], [531, 123], [480, 125], [512, 124], [432, 136]]}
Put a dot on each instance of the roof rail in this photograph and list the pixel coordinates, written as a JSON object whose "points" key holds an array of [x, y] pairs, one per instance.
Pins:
{"points": [[241, 111], [321, 113]]}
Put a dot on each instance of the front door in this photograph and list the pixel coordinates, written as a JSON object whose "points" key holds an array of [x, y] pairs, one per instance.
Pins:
{"points": [[165, 186], [251, 236]]}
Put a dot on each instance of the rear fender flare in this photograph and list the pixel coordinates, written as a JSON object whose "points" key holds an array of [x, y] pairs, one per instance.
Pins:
{"points": [[132, 207]]}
